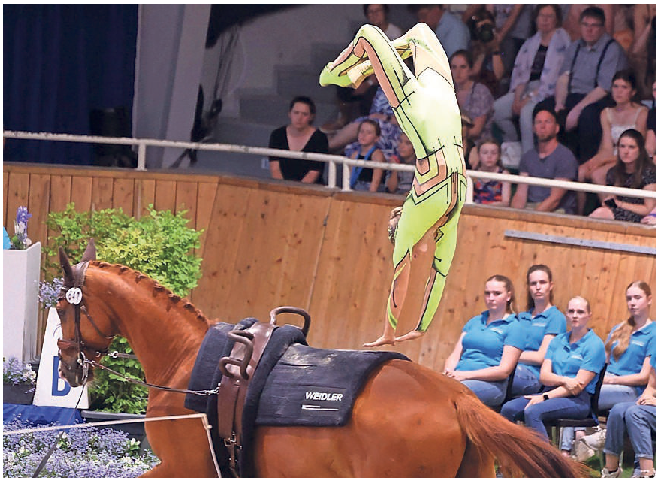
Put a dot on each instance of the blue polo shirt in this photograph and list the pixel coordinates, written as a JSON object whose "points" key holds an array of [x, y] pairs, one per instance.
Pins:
{"points": [[550, 322], [631, 360], [567, 359], [482, 344]]}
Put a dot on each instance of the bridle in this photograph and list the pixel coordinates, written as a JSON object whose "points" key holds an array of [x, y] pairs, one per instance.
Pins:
{"points": [[74, 295]]}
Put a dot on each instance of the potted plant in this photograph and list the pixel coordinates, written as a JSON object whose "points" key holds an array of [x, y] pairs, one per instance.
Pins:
{"points": [[160, 245], [21, 270], [18, 381]]}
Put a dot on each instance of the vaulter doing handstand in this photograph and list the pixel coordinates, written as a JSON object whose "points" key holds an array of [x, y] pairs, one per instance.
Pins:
{"points": [[426, 108]]}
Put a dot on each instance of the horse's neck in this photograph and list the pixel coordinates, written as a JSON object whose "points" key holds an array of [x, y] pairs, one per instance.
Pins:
{"points": [[164, 331]]}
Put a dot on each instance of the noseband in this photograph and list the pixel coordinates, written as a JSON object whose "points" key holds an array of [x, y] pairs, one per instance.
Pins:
{"points": [[73, 295]]}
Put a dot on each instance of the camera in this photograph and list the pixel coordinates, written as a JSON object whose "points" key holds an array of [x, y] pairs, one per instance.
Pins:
{"points": [[481, 26], [484, 33]]}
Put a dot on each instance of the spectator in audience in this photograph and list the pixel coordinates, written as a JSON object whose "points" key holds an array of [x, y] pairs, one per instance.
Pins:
{"points": [[585, 80], [487, 66], [474, 98], [650, 140], [572, 19], [638, 418], [449, 28], [551, 160], [633, 169], [378, 15], [382, 113], [489, 346], [540, 323], [367, 179], [512, 24], [534, 76], [357, 102], [638, 421], [643, 49], [626, 114], [628, 350], [491, 191], [400, 182], [298, 135], [569, 373]]}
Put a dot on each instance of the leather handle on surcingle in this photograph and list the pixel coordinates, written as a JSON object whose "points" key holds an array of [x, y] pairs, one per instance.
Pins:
{"points": [[292, 310], [245, 338]]}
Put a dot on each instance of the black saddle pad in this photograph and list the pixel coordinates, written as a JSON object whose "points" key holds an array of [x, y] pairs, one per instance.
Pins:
{"points": [[316, 387]]}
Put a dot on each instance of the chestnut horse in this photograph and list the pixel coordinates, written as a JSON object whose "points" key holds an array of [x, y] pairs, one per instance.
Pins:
{"points": [[408, 421]]}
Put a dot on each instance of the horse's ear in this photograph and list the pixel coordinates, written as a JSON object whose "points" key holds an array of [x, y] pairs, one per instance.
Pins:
{"points": [[90, 252], [66, 266]]}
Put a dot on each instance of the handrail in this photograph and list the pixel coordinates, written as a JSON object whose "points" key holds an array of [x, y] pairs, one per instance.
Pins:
{"points": [[331, 159]]}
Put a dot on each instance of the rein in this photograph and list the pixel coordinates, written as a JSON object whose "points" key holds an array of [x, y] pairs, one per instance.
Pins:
{"points": [[74, 296]]}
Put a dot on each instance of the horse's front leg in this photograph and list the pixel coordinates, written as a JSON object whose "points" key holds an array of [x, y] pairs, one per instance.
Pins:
{"points": [[183, 448]]}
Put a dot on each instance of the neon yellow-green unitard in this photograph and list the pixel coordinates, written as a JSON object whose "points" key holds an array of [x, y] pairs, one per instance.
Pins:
{"points": [[426, 108]]}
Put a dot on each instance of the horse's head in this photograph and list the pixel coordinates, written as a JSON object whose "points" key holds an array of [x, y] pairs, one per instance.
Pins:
{"points": [[84, 336]]}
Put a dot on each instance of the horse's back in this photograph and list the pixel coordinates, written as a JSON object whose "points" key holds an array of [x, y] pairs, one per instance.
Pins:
{"points": [[404, 415]]}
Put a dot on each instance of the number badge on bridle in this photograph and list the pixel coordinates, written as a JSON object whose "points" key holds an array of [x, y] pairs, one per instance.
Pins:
{"points": [[74, 295]]}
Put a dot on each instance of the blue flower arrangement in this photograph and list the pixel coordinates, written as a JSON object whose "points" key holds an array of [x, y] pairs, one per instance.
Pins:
{"points": [[49, 292], [14, 372], [20, 240], [87, 452]]}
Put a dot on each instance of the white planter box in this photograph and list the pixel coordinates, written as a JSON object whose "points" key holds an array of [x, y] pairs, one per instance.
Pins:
{"points": [[20, 302]]}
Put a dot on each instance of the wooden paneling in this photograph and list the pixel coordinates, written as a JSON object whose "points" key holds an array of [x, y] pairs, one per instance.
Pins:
{"points": [[267, 244]]}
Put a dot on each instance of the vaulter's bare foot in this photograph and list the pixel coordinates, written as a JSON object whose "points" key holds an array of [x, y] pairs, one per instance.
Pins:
{"points": [[382, 340], [412, 335]]}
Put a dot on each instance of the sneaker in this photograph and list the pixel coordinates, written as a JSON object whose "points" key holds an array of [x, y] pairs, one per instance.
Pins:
{"points": [[607, 474], [596, 440], [583, 451], [644, 473]]}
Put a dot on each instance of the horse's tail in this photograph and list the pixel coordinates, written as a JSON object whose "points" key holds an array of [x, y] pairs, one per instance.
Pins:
{"points": [[519, 450]]}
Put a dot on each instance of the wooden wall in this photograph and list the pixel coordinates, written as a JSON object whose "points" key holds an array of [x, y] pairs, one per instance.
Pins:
{"points": [[268, 244]]}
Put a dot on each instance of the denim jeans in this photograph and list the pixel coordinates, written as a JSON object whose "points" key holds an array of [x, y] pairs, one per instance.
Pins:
{"points": [[503, 117], [525, 382], [609, 396], [636, 420], [534, 416], [490, 393]]}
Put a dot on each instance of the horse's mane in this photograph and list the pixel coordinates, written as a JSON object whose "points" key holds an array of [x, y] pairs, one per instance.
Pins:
{"points": [[173, 299]]}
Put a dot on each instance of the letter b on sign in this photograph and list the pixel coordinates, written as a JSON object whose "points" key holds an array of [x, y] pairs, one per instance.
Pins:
{"points": [[60, 387]]}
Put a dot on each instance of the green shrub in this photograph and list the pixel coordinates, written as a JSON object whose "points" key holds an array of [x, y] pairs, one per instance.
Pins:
{"points": [[159, 245]]}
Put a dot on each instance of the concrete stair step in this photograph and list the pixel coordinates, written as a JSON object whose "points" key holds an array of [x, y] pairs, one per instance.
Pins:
{"points": [[302, 80], [236, 131], [272, 110]]}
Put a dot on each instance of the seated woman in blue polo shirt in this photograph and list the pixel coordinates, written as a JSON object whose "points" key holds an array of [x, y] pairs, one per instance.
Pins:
{"points": [[569, 372], [638, 421], [541, 322], [628, 349], [489, 346]]}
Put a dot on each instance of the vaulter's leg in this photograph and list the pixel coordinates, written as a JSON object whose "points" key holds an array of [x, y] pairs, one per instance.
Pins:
{"points": [[445, 245]]}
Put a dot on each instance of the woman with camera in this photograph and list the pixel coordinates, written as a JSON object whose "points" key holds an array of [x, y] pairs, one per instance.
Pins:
{"points": [[633, 169], [486, 50], [534, 75]]}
